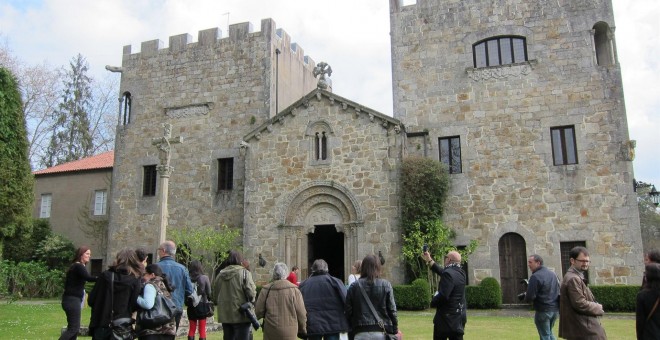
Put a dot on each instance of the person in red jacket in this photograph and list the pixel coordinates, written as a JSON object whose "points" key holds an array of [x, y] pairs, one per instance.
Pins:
{"points": [[293, 276]]}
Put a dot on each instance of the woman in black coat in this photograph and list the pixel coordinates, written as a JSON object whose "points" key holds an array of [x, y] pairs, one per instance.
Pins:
{"points": [[648, 305], [125, 276], [74, 292]]}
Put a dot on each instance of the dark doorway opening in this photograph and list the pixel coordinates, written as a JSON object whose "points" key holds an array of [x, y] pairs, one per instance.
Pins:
{"points": [[513, 266], [327, 244]]}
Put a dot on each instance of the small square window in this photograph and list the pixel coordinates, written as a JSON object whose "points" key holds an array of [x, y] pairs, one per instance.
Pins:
{"points": [[564, 148], [225, 174], [149, 180], [450, 153], [46, 202], [564, 250], [100, 202]]}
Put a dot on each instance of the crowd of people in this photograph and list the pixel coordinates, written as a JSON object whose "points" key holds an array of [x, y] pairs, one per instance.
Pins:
{"points": [[322, 306]]}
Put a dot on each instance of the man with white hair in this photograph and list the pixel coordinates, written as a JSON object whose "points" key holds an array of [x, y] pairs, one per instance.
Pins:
{"points": [[324, 298], [177, 274]]}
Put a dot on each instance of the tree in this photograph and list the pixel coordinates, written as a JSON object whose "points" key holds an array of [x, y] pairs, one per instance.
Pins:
{"points": [[16, 181], [71, 138], [424, 190], [207, 244], [649, 217]]}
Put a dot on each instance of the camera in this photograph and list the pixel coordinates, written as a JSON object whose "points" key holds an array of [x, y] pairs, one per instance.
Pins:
{"points": [[425, 248], [521, 296], [246, 309]]}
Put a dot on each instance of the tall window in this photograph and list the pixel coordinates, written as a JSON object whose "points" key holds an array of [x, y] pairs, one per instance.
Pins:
{"points": [[450, 153], [321, 143], [225, 174], [149, 180], [603, 44], [564, 149], [126, 107], [499, 51], [100, 201], [46, 201], [564, 249]]}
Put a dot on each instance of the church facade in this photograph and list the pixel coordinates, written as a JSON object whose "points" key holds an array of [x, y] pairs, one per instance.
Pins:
{"points": [[522, 100]]}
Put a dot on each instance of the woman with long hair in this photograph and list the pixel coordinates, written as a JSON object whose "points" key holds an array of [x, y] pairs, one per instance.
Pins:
{"points": [[648, 304], [364, 323], [155, 283], [282, 307], [123, 277], [198, 278], [233, 287], [74, 291]]}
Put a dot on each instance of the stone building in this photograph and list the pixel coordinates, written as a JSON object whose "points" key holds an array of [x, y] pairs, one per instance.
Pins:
{"points": [[522, 99]]}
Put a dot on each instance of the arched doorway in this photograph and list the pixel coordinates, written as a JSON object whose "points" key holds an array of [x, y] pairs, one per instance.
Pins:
{"points": [[513, 266], [327, 244]]}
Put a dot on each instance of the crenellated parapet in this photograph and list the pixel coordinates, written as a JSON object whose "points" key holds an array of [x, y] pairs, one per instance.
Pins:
{"points": [[213, 38]]}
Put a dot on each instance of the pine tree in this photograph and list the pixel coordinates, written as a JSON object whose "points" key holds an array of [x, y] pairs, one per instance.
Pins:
{"points": [[71, 138], [16, 180]]}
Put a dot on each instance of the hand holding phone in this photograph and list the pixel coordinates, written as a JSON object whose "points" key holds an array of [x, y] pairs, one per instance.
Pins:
{"points": [[425, 248]]}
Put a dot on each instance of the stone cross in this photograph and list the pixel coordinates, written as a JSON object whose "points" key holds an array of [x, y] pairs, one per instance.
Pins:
{"points": [[164, 145]]}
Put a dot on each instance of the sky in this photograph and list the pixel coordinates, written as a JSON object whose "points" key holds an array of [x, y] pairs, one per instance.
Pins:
{"points": [[352, 36]]}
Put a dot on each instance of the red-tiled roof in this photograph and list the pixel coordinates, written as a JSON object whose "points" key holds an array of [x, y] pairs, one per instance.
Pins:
{"points": [[100, 161]]}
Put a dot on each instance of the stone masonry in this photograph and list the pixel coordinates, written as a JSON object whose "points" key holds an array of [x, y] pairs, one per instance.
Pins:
{"points": [[503, 116]]}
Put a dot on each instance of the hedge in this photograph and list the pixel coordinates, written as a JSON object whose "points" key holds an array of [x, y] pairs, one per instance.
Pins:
{"points": [[30, 280], [415, 296], [616, 298], [487, 295]]}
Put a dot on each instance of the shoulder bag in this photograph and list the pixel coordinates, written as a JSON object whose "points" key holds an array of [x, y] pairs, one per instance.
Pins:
{"points": [[121, 328], [161, 313], [203, 309], [388, 336]]}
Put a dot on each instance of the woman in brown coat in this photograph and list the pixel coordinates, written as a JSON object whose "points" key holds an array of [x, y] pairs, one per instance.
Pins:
{"points": [[281, 305]]}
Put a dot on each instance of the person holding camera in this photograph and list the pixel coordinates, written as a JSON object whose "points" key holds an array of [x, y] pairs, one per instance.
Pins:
{"points": [[543, 292], [235, 291], [449, 300], [281, 305]]}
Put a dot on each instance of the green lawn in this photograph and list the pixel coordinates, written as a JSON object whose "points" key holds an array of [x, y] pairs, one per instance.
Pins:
{"points": [[43, 320]]}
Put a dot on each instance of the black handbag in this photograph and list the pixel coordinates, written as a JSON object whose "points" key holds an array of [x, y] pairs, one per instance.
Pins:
{"points": [[163, 311], [120, 328]]}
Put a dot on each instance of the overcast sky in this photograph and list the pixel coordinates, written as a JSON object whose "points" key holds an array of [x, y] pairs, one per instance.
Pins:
{"points": [[350, 35]]}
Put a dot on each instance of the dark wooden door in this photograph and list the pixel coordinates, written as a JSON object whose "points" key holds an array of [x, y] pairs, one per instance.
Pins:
{"points": [[513, 266]]}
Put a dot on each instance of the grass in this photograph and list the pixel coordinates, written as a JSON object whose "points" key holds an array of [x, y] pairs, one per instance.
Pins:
{"points": [[43, 320]]}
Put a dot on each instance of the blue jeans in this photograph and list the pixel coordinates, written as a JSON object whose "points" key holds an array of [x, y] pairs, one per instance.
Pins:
{"points": [[545, 321]]}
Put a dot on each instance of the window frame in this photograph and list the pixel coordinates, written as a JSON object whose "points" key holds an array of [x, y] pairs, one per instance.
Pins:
{"points": [[450, 156], [100, 208], [46, 205], [563, 145], [149, 180], [487, 54], [225, 173]]}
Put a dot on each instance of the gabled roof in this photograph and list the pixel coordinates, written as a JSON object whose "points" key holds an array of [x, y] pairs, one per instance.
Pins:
{"points": [[318, 94], [101, 161]]}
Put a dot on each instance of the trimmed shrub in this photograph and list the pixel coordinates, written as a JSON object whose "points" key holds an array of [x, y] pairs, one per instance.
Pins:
{"points": [[616, 298], [415, 296], [487, 295]]}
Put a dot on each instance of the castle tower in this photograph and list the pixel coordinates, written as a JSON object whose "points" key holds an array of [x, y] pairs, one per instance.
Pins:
{"points": [[524, 101], [212, 92]]}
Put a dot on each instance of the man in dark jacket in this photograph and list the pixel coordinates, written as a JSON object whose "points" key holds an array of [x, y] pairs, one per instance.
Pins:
{"points": [[324, 298], [449, 300], [543, 291]]}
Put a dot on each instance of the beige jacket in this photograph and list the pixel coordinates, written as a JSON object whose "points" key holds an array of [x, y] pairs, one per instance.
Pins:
{"points": [[578, 310], [281, 306]]}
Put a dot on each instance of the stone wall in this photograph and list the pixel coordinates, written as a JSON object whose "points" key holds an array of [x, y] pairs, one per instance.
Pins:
{"points": [[503, 115], [212, 91]]}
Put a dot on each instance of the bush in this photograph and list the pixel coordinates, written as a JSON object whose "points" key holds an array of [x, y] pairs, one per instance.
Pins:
{"points": [[487, 295], [415, 296], [616, 298], [56, 251], [30, 279]]}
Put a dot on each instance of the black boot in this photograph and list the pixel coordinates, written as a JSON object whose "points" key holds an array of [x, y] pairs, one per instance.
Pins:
{"points": [[191, 337]]}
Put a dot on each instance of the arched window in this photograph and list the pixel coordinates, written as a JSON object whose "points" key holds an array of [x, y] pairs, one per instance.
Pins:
{"points": [[126, 108], [319, 134], [603, 44], [502, 50]]}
